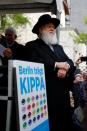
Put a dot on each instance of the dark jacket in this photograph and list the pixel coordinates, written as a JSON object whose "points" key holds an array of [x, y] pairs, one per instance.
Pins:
{"points": [[57, 89], [16, 54], [15, 48]]}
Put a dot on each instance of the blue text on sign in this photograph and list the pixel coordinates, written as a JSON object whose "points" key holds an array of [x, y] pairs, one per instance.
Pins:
{"points": [[30, 84]]}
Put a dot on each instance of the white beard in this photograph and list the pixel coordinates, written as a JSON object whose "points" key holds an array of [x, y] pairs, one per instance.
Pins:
{"points": [[48, 38]]}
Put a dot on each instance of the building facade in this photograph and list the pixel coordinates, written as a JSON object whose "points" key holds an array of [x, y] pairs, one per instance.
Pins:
{"points": [[73, 24], [77, 14]]}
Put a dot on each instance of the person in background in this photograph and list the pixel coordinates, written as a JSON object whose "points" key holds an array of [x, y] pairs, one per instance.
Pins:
{"points": [[80, 99], [58, 71], [84, 72], [84, 85], [11, 50], [78, 91], [12, 46]]}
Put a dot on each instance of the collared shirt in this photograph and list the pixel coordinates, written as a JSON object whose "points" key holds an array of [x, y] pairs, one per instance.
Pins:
{"points": [[51, 47]]}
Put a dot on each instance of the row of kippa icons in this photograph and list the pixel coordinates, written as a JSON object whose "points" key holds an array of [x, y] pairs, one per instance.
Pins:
{"points": [[33, 105], [33, 98], [33, 120], [35, 110]]}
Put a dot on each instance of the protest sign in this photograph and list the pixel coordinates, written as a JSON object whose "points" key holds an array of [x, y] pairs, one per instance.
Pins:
{"points": [[32, 98]]}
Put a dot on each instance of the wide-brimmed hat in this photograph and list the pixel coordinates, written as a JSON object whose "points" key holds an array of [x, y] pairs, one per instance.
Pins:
{"points": [[45, 19]]}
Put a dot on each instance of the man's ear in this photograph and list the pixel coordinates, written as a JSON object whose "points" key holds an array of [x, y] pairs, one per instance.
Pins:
{"points": [[40, 30]]}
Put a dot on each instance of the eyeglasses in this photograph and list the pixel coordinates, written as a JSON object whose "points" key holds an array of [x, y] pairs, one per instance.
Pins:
{"points": [[8, 34]]}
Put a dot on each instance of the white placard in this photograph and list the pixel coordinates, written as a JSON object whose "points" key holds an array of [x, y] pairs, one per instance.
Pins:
{"points": [[32, 98]]}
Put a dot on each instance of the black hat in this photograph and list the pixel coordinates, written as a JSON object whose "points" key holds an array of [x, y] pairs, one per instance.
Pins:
{"points": [[45, 19]]}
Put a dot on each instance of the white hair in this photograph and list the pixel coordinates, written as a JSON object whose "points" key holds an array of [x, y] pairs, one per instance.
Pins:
{"points": [[48, 38], [11, 29]]}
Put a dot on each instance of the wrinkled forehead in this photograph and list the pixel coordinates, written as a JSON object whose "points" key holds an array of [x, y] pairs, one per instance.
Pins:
{"points": [[49, 25]]}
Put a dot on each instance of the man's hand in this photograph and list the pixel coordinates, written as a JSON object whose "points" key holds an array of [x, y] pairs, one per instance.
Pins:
{"points": [[61, 73], [7, 52], [62, 65], [78, 61]]}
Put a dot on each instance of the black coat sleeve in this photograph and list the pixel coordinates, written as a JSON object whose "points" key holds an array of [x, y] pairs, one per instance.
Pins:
{"points": [[35, 54]]}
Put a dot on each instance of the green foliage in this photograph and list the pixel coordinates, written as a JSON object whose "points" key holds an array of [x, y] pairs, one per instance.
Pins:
{"points": [[82, 37], [19, 19], [14, 20], [85, 19]]}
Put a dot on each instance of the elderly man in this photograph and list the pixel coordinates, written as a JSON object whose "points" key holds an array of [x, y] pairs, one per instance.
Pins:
{"points": [[11, 44], [11, 50], [58, 69]]}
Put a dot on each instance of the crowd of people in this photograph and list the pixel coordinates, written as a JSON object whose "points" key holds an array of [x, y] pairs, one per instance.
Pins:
{"points": [[66, 85], [79, 98]]}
